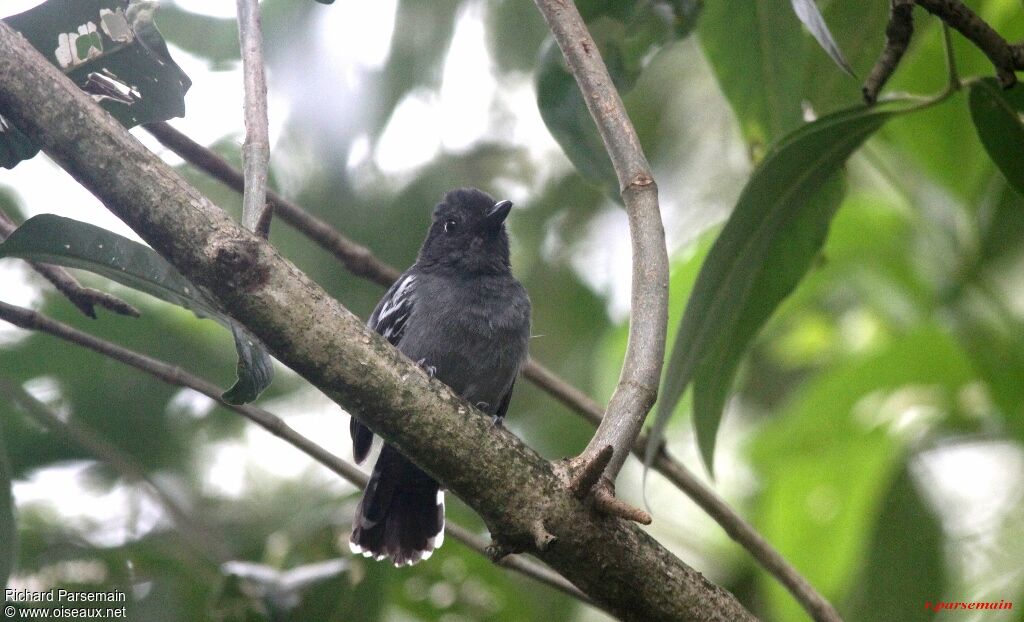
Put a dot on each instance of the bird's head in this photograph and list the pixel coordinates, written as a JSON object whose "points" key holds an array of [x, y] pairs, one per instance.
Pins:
{"points": [[468, 234]]}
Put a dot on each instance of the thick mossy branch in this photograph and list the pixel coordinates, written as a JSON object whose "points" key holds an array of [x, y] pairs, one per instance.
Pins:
{"points": [[612, 561]]}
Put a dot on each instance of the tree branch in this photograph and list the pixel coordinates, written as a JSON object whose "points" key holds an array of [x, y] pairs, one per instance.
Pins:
{"points": [[897, 38], [637, 389], [256, 213], [356, 258], [614, 562], [32, 320], [85, 298], [363, 263], [1006, 58], [959, 16]]}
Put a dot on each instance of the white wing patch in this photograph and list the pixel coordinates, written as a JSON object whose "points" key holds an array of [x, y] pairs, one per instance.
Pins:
{"points": [[395, 310], [398, 300]]}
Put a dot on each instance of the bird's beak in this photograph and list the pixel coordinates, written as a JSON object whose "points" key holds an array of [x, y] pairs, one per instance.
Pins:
{"points": [[498, 213]]}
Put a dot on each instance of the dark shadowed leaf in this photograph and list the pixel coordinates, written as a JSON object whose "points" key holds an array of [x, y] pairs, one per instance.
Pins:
{"points": [[905, 564], [565, 114], [998, 116], [8, 528], [810, 15], [628, 34], [67, 242], [113, 51], [255, 368], [767, 245]]}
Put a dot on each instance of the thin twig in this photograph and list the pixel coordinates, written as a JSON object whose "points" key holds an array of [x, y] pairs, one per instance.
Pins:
{"points": [[897, 38], [256, 212], [1005, 58], [85, 298], [361, 262], [197, 536], [995, 47], [356, 258], [816, 605], [641, 371], [32, 320]]}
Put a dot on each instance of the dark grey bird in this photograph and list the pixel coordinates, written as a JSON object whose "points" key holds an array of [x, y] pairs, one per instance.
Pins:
{"points": [[461, 315]]}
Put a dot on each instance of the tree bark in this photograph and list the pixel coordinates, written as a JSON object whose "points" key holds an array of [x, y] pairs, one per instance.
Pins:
{"points": [[510, 485]]}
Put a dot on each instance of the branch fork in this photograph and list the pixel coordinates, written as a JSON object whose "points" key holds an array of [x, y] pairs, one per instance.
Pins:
{"points": [[1006, 58], [587, 480]]}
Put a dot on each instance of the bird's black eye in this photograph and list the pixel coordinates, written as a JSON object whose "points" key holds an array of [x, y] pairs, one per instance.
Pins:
{"points": [[450, 225]]}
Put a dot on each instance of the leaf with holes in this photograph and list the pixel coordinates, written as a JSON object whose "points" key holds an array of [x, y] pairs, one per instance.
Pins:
{"points": [[769, 242], [810, 16], [998, 117], [74, 244], [113, 51]]}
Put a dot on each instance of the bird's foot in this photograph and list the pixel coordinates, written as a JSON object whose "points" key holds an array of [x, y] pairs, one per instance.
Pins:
{"points": [[500, 548], [430, 369]]}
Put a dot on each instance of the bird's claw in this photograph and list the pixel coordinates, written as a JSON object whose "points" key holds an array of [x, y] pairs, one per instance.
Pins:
{"points": [[430, 369]]}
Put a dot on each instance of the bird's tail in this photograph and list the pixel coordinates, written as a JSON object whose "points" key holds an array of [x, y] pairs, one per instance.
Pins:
{"points": [[401, 514]]}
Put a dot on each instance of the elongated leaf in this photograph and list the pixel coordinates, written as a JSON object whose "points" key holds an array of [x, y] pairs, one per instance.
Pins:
{"points": [[756, 50], [811, 17], [113, 51], [74, 244], [906, 563], [998, 116], [8, 528], [767, 245]]}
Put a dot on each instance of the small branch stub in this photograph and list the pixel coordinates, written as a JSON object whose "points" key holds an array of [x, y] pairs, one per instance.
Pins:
{"points": [[606, 502], [587, 478], [590, 471]]}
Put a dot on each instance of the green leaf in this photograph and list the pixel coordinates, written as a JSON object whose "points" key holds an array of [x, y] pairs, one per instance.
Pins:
{"points": [[113, 51], [8, 528], [74, 244], [998, 116], [811, 17], [767, 245], [756, 50], [906, 564]]}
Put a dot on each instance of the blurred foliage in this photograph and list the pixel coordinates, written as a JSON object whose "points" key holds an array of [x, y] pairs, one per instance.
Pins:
{"points": [[903, 341], [66, 242]]}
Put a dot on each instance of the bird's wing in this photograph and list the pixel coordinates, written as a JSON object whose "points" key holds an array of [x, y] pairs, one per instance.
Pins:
{"points": [[388, 320]]}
